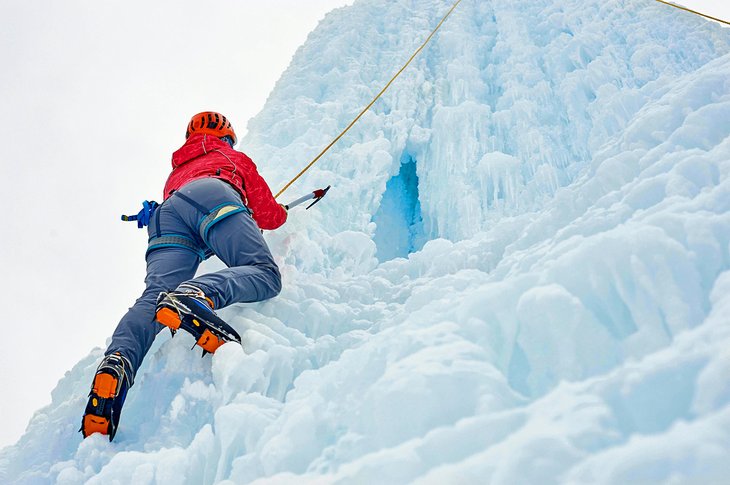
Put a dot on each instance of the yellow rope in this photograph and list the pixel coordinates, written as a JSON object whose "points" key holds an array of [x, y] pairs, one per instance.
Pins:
{"points": [[371, 102], [693, 11]]}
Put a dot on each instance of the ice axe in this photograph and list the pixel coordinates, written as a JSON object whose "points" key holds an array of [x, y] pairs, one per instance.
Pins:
{"points": [[317, 195]]}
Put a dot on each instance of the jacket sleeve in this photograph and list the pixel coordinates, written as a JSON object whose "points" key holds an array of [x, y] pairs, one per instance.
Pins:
{"points": [[267, 213]]}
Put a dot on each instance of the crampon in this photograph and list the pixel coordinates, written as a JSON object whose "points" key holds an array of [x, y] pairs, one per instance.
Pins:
{"points": [[188, 308], [106, 398]]}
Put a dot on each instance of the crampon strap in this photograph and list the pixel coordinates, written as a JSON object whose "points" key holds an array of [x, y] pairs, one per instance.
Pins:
{"points": [[143, 216]]}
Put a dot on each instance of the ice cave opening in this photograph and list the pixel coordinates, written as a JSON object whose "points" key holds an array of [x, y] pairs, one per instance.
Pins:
{"points": [[399, 224]]}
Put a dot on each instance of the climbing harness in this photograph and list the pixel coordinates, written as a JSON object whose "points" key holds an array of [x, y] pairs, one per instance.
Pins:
{"points": [[371, 102], [159, 240], [694, 12], [213, 216]]}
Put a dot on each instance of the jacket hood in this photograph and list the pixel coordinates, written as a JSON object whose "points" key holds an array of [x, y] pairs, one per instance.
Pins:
{"points": [[196, 146]]}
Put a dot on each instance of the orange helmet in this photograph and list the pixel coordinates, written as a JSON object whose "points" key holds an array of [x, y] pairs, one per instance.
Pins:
{"points": [[212, 123]]}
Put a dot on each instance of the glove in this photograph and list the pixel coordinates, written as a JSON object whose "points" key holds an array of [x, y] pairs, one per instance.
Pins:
{"points": [[286, 209]]}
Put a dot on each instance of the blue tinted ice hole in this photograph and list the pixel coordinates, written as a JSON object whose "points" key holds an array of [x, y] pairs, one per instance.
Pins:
{"points": [[399, 224]]}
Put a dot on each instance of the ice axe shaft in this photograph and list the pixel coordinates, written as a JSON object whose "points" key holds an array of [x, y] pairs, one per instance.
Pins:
{"points": [[316, 195]]}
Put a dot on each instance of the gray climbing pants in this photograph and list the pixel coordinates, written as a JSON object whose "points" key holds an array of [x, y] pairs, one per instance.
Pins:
{"points": [[204, 217]]}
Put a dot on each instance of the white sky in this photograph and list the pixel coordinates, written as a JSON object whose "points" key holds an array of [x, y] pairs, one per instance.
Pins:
{"points": [[95, 97], [715, 8]]}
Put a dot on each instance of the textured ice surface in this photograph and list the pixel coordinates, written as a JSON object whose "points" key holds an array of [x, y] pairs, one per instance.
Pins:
{"points": [[544, 299]]}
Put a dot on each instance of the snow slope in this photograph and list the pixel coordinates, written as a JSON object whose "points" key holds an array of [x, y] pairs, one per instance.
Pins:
{"points": [[521, 274]]}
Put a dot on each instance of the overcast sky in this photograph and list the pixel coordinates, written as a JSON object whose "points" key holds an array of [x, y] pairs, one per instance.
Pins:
{"points": [[95, 97]]}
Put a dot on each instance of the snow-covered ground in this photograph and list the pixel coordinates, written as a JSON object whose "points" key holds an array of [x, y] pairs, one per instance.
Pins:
{"points": [[520, 275]]}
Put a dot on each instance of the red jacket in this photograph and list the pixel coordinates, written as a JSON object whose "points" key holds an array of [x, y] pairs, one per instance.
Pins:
{"points": [[203, 156]]}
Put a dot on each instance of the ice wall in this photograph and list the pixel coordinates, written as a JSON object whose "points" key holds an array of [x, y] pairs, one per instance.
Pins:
{"points": [[512, 101], [566, 322]]}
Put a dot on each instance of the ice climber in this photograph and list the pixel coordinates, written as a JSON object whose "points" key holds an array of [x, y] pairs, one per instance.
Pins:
{"points": [[215, 202]]}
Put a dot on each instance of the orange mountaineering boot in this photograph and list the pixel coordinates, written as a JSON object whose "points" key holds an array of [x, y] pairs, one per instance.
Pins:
{"points": [[188, 308], [106, 398]]}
